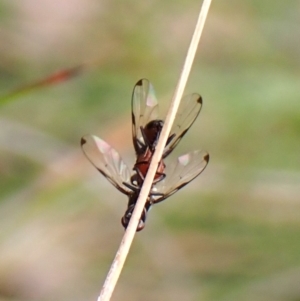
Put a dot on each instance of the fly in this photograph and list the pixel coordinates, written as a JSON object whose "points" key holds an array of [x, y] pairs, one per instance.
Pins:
{"points": [[146, 127], [110, 164]]}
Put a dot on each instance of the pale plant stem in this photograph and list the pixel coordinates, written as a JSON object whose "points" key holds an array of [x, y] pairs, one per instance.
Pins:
{"points": [[124, 247]]}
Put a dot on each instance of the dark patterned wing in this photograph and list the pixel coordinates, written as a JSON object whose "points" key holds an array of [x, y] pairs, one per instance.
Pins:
{"points": [[188, 111], [186, 169], [108, 161], [144, 109]]}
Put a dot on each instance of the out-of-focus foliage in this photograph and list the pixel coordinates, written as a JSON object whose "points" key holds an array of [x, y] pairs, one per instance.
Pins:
{"points": [[232, 234]]}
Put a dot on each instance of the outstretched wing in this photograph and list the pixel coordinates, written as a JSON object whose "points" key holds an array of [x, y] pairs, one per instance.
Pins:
{"points": [[186, 169], [188, 111], [107, 160], [144, 109]]}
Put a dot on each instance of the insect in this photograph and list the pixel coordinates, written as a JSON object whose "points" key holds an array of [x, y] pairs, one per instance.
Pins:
{"points": [[146, 128], [110, 164]]}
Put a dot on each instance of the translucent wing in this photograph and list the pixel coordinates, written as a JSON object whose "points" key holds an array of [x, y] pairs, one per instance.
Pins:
{"points": [[188, 111], [107, 160], [144, 109], [186, 169]]}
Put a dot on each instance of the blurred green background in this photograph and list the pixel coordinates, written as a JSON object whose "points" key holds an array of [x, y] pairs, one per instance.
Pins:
{"points": [[233, 233]]}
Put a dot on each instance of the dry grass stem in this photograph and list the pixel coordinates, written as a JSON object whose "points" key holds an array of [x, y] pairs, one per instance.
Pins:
{"points": [[123, 250]]}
